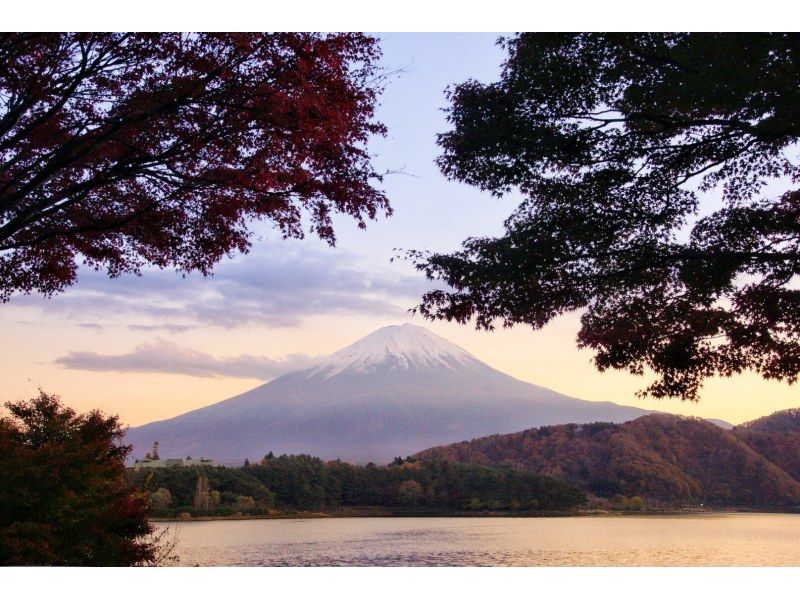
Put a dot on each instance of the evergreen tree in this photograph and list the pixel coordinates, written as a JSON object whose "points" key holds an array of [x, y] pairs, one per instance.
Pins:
{"points": [[64, 490]]}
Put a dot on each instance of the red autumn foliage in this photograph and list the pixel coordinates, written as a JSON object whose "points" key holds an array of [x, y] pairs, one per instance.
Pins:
{"points": [[129, 149], [64, 495]]}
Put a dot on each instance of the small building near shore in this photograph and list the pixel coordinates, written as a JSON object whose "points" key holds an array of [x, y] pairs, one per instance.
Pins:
{"points": [[188, 462]]}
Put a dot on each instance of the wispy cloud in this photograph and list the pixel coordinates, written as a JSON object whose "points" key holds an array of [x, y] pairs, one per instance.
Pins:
{"points": [[277, 284], [157, 327], [165, 357]]}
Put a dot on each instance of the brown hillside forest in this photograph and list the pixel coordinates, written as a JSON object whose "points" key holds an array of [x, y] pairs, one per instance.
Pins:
{"points": [[656, 460]]}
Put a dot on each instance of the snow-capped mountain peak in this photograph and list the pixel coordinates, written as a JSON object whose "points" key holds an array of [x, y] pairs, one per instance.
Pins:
{"points": [[396, 391], [398, 347]]}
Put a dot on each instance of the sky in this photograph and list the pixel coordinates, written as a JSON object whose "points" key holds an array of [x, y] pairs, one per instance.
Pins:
{"points": [[151, 347]]}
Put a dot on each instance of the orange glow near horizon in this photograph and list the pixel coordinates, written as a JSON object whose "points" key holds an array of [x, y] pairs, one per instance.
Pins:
{"points": [[547, 358]]}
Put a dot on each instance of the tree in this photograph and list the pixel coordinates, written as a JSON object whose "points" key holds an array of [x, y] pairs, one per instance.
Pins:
{"points": [[64, 490], [153, 454], [202, 494], [160, 500], [123, 149], [244, 503], [613, 140], [409, 493]]}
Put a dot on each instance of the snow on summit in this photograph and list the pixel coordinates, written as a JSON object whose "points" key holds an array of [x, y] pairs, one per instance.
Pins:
{"points": [[397, 391], [407, 347]]}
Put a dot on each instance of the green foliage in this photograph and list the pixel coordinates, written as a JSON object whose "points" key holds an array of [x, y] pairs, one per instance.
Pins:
{"points": [[301, 482], [245, 504], [160, 501], [225, 485], [632, 503]]}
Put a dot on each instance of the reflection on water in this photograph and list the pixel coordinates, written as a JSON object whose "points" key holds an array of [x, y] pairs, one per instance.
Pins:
{"points": [[724, 539]]}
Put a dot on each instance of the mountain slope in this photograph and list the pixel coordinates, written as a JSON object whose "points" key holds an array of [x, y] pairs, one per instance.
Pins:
{"points": [[395, 391], [776, 437], [661, 457], [787, 420]]}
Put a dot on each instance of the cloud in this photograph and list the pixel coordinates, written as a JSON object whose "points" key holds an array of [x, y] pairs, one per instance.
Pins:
{"points": [[155, 327], [164, 357], [277, 284]]}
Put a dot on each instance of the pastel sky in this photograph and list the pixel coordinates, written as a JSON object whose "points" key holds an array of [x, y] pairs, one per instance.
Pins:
{"points": [[152, 347]]}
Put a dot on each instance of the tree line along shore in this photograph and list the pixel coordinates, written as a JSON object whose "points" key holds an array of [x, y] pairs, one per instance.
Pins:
{"points": [[303, 484]]}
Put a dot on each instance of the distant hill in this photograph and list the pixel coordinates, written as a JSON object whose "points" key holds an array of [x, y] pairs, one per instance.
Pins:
{"points": [[780, 421], [776, 437], [396, 391], [664, 458]]}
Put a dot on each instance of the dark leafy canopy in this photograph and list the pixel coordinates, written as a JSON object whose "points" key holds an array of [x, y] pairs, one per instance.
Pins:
{"points": [[64, 495], [292, 482], [129, 149], [613, 139]]}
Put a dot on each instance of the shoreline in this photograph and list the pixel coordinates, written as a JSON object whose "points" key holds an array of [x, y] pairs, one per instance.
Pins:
{"points": [[372, 512]]}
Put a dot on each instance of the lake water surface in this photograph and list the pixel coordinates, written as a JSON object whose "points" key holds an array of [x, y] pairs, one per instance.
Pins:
{"points": [[695, 540]]}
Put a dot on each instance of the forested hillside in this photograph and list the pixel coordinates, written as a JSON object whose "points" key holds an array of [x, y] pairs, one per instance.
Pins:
{"points": [[664, 459], [787, 420], [776, 437], [658, 460]]}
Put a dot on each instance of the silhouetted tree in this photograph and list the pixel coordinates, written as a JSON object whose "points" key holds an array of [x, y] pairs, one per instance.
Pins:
{"points": [[613, 139], [153, 454], [123, 149], [64, 492]]}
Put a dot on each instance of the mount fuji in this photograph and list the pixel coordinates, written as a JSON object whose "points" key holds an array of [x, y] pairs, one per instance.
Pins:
{"points": [[396, 391]]}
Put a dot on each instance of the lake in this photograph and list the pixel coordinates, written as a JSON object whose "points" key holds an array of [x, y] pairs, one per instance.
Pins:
{"points": [[703, 540]]}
